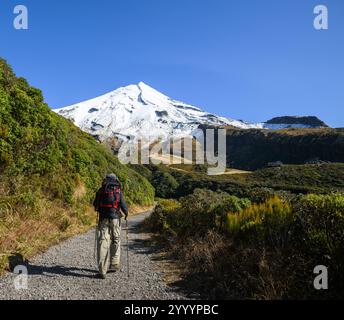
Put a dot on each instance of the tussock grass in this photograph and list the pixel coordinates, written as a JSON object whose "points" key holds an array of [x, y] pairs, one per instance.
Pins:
{"points": [[28, 235]]}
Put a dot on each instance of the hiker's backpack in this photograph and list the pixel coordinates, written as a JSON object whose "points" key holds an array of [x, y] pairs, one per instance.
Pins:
{"points": [[109, 196]]}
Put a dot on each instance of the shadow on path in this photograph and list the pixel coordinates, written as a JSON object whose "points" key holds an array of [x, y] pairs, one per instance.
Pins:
{"points": [[49, 271], [61, 270]]}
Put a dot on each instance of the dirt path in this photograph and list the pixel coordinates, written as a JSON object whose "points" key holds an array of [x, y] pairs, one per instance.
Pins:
{"points": [[67, 271]]}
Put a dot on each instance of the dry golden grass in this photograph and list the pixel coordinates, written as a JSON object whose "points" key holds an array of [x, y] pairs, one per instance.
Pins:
{"points": [[28, 235], [80, 191]]}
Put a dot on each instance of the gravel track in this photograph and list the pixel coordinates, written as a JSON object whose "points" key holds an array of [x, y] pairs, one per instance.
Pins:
{"points": [[68, 271]]}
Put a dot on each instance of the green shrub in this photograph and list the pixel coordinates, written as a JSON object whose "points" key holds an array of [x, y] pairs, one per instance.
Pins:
{"points": [[260, 195], [322, 221], [267, 223], [162, 215], [195, 214], [164, 184]]}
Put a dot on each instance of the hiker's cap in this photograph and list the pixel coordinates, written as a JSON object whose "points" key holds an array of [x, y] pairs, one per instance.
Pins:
{"points": [[111, 176]]}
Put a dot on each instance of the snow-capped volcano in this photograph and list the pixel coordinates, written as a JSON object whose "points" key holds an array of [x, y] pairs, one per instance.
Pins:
{"points": [[138, 111], [141, 112]]}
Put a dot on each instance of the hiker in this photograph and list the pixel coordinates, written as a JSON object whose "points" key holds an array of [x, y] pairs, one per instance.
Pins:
{"points": [[109, 202]]}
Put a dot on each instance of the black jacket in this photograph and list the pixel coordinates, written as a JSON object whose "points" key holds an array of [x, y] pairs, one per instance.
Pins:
{"points": [[110, 213]]}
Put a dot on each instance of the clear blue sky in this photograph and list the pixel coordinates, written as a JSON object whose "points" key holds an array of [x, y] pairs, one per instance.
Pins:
{"points": [[247, 59]]}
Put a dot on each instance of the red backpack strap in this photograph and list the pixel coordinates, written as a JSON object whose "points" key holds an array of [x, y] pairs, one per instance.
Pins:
{"points": [[117, 196]]}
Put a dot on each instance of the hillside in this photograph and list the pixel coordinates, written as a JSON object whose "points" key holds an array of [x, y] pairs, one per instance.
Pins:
{"points": [[179, 181], [49, 171], [254, 148]]}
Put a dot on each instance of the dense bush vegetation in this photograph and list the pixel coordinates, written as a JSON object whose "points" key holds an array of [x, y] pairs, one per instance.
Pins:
{"points": [[195, 214], [47, 164], [254, 149], [165, 184], [268, 223], [322, 220], [258, 186], [232, 248]]}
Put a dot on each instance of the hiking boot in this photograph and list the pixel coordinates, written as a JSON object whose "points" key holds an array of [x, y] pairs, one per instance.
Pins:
{"points": [[114, 268], [101, 276]]}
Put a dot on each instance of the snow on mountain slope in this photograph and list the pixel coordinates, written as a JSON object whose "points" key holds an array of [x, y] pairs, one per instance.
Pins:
{"points": [[139, 111]]}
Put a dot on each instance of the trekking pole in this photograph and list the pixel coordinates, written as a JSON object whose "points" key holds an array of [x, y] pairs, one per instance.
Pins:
{"points": [[127, 232]]}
